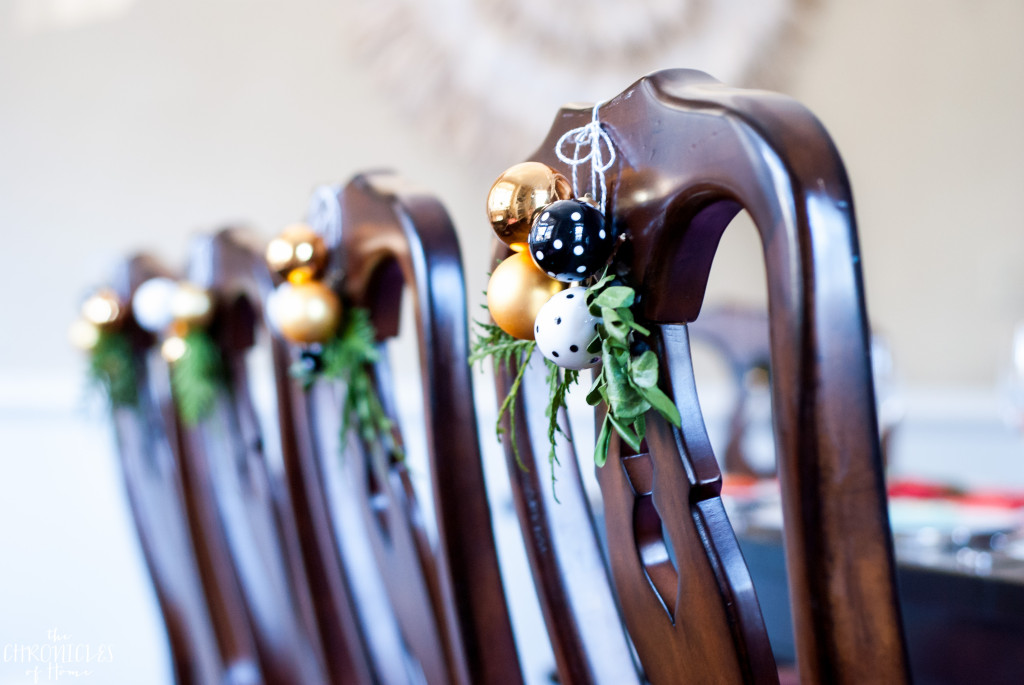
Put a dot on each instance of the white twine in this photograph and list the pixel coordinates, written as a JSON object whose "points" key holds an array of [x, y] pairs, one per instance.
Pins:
{"points": [[590, 138], [324, 215]]}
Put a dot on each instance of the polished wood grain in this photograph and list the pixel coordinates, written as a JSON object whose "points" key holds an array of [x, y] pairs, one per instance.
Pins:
{"points": [[692, 153]]}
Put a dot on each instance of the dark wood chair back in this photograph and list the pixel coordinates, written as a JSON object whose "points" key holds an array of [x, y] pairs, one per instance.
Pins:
{"points": [[207, 631], [692, 153], [235, 461], [429, 612]]}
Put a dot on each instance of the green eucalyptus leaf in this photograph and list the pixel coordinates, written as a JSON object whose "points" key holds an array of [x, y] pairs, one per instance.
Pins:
{"points": [[603, 440], [625, 432], [640, 426], [644, 369], [615, 325], [616, 297], [663, 404]]}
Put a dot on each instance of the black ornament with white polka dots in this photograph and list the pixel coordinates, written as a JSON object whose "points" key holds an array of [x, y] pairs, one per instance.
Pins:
{"points": [[570, 241]]}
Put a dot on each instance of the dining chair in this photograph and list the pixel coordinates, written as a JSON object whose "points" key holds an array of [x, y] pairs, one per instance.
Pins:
{"points": [[234, 473], [208, 635], [427, 589], [673, 588]]}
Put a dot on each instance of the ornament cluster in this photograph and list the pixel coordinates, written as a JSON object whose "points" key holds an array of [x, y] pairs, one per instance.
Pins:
{"points": [[558, 241], [303, 308]]}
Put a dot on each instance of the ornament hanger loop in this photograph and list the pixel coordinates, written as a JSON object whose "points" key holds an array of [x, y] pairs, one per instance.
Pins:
{"points": [[597, 144]]}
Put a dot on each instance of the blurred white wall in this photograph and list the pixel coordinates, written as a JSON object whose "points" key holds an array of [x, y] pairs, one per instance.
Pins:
{"points": [[157, 119]]}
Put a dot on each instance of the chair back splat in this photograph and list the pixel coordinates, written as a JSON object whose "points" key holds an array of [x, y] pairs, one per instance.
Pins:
{"points": [[692, 153]]}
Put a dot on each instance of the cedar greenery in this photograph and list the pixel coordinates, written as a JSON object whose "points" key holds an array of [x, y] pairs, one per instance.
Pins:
{"points": [[349, 357], [197, 377], [491, 341], [112, 367]]}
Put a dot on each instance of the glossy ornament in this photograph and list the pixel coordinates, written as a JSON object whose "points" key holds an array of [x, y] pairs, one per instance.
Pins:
{"points": [[306, 312], [191, 305], [563, 329], [516, 292], [103, 309], [151, 304], [570, 241], [298, 253], [84, 335], [173, 348], [518, 195]]}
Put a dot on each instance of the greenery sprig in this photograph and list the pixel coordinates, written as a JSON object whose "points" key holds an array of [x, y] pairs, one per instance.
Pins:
{"points": [[112, 367], [628, 380], [504, 350], [349, 357], [494, 343], [197, 377]]}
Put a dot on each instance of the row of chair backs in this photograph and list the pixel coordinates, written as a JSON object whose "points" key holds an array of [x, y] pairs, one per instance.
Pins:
{"points": [[307, 556]]}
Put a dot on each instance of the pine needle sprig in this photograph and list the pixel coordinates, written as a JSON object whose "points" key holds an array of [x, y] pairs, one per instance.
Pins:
{"points": [[350, 357], [504, 350], [112, 368], [197, 377], [559, 382]]}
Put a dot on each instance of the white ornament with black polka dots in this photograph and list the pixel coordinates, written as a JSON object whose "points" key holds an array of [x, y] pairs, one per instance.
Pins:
{"points": [[569, 240], [563, 329]]}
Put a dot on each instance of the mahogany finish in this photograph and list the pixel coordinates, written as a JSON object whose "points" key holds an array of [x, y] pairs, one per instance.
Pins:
{"points": [[446, 599], [691, 154], [209, 636]]}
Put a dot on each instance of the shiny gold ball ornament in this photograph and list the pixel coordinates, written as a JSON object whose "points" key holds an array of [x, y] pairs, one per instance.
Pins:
{"points": [[516, 292], [191, 305], [307, 312], [298, 251], [173, 348], [103, 309], [517, 196]]}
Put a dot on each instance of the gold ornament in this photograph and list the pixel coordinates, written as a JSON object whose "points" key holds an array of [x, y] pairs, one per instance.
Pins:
{"points": [[191, 305], [103, 309], [516, 292], [173, 348], [84, 335], [306, 312], [518, 194], [299, 251]]}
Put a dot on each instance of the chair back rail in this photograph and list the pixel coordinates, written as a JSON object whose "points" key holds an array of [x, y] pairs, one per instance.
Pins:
{"points": [[692, 153], [447, 599]]}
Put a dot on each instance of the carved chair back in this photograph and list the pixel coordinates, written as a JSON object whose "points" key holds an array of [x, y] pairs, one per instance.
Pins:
{"points": [[431, 611], [208, 634], [235, 457], [692, 153]]}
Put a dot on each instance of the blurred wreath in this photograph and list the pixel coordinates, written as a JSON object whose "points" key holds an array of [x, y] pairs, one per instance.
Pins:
{"points": [[469, 68]]}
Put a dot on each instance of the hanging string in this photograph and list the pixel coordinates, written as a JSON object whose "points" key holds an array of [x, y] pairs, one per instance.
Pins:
{"points": [[596, 143]]}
